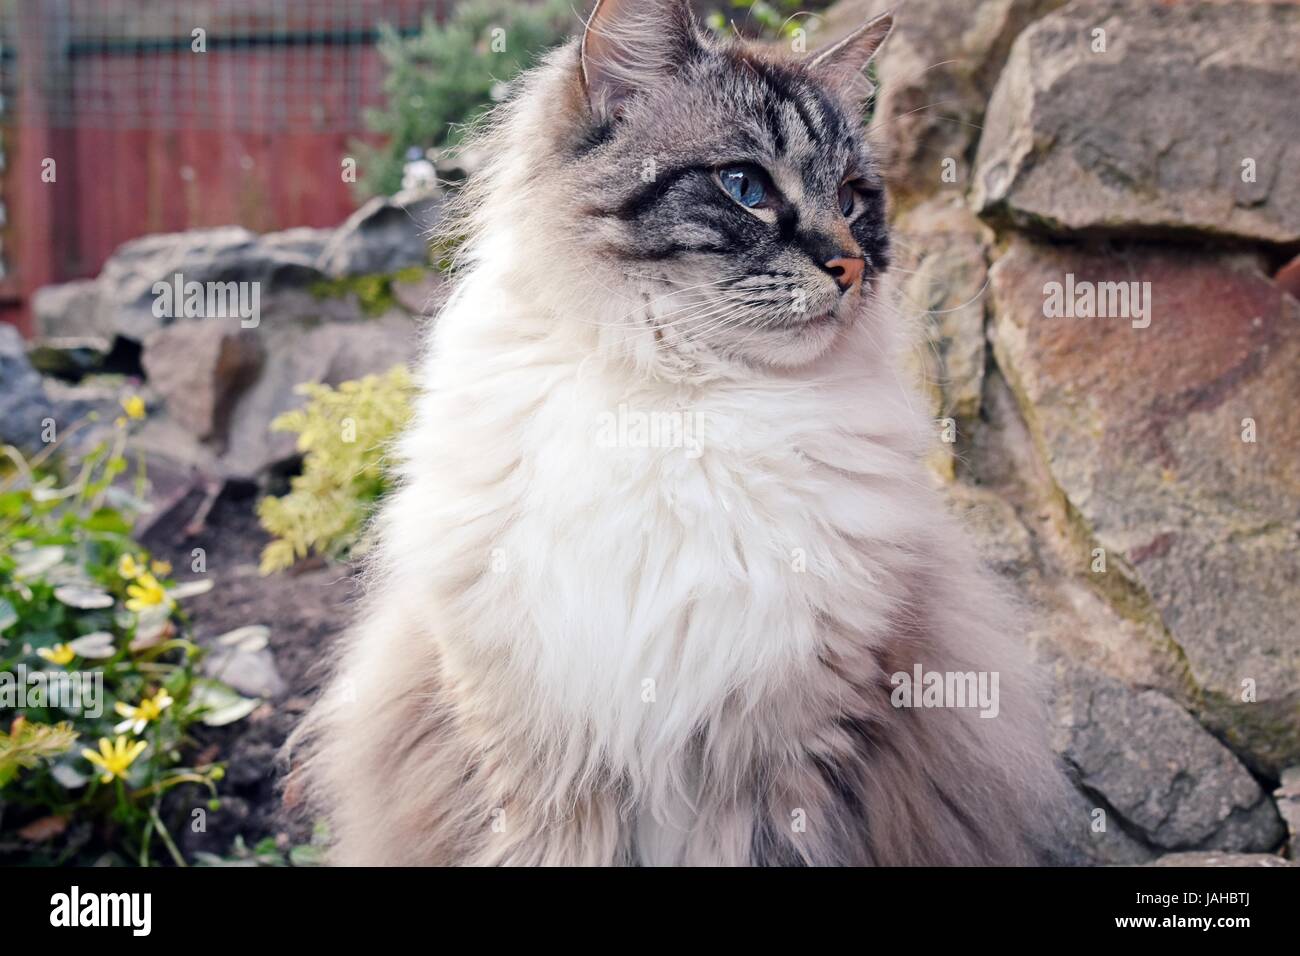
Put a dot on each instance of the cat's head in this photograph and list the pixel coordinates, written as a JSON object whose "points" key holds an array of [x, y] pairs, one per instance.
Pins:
{"points": [[722, 190]]}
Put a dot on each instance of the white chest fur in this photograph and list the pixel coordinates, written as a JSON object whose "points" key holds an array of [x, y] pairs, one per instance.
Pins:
{"points": [[625, 557]]}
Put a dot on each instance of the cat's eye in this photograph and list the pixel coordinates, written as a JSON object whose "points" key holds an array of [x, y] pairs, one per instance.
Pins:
{"points": [[848, 199], [746, 184]]}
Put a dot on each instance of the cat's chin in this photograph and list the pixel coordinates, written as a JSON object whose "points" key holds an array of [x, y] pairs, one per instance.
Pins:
{"points": [[795, 345]]}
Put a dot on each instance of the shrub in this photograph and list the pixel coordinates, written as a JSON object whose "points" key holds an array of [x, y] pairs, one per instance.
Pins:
{"points": [[763, 18], [98, 681], [342, 434], [443, 77]]}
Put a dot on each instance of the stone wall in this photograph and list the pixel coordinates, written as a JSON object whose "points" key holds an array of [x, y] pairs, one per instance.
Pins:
{"points": [[1135, 478]]}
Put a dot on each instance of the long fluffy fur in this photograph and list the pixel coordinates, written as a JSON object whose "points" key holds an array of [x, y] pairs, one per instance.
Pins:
{"points": [[571, 654]]}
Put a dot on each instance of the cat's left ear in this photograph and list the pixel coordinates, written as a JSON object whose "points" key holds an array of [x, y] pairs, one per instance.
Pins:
{"points": [[842, 65], [629, 45]]}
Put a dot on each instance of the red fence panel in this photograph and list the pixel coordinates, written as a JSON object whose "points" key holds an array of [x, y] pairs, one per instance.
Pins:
{"points": [[148, 134]]}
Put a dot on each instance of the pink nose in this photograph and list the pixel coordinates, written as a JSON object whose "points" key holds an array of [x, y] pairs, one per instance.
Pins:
{"points": [[847, 270]]}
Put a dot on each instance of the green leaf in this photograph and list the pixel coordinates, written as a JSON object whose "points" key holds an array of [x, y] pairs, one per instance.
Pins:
{"points": [[95, 646], [83, 598], [190, 589], [108, 521], [251, 638], [37, 561], [307, 856], [220, 704]]}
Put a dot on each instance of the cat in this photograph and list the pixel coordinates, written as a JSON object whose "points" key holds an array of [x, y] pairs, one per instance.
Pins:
{"points": [[663, 558]]}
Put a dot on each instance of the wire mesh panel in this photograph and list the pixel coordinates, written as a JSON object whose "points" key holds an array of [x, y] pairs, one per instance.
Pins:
{"points": [[195, 64], [163, 115]]}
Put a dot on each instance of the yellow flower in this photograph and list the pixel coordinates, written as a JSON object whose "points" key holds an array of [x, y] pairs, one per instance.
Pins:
{"points": [[137, 717], [145, 593], [58, 654], [133, 405], [114, 758], [161, 568], [128, 567]]}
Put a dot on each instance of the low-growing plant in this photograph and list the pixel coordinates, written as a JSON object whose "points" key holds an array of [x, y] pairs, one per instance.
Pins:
{"points": [[374, 293], [269, 852], [343, 433], [99, 686]]}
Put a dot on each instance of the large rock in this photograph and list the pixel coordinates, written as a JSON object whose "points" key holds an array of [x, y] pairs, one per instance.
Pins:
{"points": [[331, 353], [1015, 516], [126, 297], [382, 237], [1090, 833], [1188, 121], [24, 405], [943, 255], [68, 310], [936, 74], [385, 235], [1165, 776], [422, 296], [199, 366], [1176, 449]]}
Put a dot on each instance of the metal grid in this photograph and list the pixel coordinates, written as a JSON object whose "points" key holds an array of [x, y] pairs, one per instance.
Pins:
{"points": [[245, 65]]}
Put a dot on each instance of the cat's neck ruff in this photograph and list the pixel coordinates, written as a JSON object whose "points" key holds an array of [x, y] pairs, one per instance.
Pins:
{"points": [[686, 539]]}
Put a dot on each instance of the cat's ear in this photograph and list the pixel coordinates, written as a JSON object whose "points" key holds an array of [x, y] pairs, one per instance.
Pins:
{"points": [[629, 45], [842, 65]]}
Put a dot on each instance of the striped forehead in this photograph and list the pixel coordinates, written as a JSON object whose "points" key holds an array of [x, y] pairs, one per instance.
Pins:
{"points": [[796, 120]]}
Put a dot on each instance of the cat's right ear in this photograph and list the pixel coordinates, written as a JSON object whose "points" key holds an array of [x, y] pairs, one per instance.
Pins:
{"points": [[629, 45]]}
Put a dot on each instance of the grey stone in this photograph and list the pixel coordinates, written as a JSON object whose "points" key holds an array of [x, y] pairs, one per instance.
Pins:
{"points": [[1156, 133], [1146, 432], [935, 75], [292, 245], [1154, 765], [1002, 540], [251, 673], [225, 254], [330, 353], [24, 404], [385, 235], [67, 310], [943, 261], [1090, 834], [422, 297], [199, 366]]}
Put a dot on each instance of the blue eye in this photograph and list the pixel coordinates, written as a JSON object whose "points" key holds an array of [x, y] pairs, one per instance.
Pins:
{"points": [[745, 184]]}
